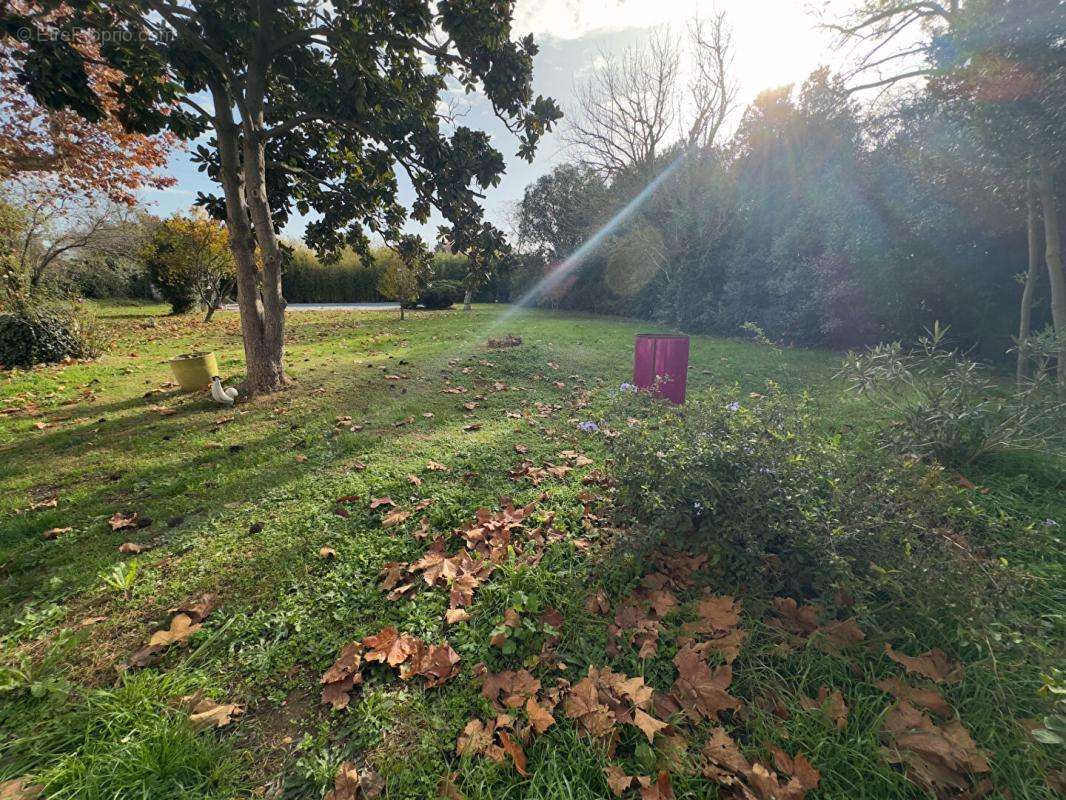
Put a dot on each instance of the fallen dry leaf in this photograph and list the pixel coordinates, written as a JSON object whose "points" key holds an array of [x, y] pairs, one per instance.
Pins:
{"points": [[121, 521], [54, 533], [831, 704], [727, 766], [699, 691], [929, 699], [937, 758], [20, 789], [394, 518], [130, 548], [446, 788], [598, 603], [327, 552], [454, 615], [208, 714], [617, 780], [932, 664], [350, 784], [539, 717], [515, 751], [339, 680], [658, 788], [648, 724]]}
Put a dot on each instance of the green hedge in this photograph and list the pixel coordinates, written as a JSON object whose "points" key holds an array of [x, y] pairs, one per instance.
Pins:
{"points": [[347, 280], [305, 280]]}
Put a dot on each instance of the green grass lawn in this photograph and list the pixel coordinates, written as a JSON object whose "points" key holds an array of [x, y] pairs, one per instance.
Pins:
{"points": [[239, 502]]}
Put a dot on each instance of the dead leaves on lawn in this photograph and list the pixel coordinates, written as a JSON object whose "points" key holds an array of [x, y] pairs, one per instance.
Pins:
{"points": [[933, 664], [489, 540], [184, 622], [801, 624], [726, 765], [206, 713], [929, 699], [437, 663], [942, 759], [351, 784], [699, 691]]}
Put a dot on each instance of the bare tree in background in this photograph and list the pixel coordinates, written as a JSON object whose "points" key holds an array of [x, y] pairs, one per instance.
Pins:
{"points": [[713, 91], [892, 40], [56, 228], [636, 104]]}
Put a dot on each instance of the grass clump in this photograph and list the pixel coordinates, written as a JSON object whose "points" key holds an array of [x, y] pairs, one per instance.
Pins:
{"points": [[132, 741]]}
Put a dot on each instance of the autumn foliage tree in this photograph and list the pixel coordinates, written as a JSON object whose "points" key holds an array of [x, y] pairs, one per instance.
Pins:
{"points": [[188, 259], [401, 283], [74, 156], [313, 106]]}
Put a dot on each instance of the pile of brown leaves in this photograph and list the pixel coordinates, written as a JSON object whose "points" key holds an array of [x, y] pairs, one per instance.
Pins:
{"points": [[942, 758], [350, 784], [727, 766], [488, 540], [437, 663], [524, 710]]}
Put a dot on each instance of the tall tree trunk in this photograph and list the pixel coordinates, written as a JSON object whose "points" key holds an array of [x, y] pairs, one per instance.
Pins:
{"points": [[1025, 317], [270, 369], [466, 300], [1053, 257], [262, 337]]}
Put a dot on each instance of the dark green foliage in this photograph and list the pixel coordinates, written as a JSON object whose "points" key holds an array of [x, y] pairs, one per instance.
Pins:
{"points": [[820, 225], [441, 294], [941, 404], [750, 478], [41, 334], [106, 277]]}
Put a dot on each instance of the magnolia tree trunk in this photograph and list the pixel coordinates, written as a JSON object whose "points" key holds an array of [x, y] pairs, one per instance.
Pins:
{"points": [[262, 307], [1053, 257], [1025, 316]]}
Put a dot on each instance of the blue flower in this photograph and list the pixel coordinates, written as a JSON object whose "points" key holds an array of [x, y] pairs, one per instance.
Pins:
{"points": [[734, 406], [627, 387], [589, 427]]}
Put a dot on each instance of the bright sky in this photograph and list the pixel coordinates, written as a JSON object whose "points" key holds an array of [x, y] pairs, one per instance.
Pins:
{"points": [[776, 42]]}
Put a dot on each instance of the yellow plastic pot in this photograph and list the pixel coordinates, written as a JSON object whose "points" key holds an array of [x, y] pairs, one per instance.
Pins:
{"points": [[194, 371]]}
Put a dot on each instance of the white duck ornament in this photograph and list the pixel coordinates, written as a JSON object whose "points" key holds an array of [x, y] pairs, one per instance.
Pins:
{"points": [[224, 395]]}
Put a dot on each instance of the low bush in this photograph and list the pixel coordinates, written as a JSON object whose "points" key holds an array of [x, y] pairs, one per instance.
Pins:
{"points": [[441, 294], [748, 476], [777, 502], [940, 404], [43, 334]]}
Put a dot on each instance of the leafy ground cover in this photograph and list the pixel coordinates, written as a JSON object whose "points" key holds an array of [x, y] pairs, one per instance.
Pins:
{"points": [[413, 575]]}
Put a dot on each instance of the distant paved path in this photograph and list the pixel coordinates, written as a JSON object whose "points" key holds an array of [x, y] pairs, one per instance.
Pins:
{"points": [[330, 307]]}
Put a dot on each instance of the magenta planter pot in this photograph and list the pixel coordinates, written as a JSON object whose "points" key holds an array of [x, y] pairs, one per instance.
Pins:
{"points": [[660, 362]]}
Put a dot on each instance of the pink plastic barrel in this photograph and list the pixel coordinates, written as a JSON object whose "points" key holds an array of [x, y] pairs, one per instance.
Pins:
{"points": [[661, 357]]}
